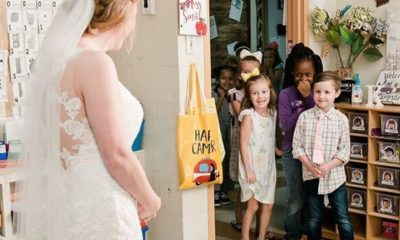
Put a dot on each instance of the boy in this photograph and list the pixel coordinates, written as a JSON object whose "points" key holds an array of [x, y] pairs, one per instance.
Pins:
{"points": [[322, 144]]}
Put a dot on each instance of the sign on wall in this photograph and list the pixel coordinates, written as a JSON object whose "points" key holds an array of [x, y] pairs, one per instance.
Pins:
{"points": [[388, 87], [192, 17]]}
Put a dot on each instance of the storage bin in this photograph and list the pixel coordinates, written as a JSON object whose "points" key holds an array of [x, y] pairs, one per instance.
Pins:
{"points": [[358, 122], [390, 229], [358, 150], [389, 125], [387, 204], [356, 175], [388, 177], [357, 198], [389, 152]]}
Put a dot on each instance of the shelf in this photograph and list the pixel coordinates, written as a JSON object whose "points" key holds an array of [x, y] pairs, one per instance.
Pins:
{"points": [[381, 215], [330, 234], [348, 106], [358, 161], [327, 233], [379, 238], [385, 164], [358, 211], [385, 138], [363, 107], [355, 185], [387, 190], [358, 134]]}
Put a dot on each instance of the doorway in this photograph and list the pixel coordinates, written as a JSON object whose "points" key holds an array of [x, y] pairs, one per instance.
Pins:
{"points": [[257, 29]]}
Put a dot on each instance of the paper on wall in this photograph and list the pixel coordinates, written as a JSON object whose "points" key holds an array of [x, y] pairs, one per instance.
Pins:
{"points": [[231, 48], [236, 10], [3, 63], [3, 89], [213, 28], [30, 19], [14, 19]]}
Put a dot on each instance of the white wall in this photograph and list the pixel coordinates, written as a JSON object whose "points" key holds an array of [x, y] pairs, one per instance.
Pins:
{"points": [[369, 71], [156, 72]]}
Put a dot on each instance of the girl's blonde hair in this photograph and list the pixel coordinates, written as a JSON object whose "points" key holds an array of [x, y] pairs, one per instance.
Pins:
{"points": [[246, 103]]}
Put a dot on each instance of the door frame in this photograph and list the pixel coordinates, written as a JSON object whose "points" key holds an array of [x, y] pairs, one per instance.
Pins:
{"points": [[297, 31]]}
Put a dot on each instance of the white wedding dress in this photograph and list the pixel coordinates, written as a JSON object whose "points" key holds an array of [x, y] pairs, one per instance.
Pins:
{"points": [[96, 207]]}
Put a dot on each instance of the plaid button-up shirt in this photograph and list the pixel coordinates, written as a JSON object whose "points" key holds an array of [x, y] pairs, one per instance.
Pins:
{"points": [[335, 141]]}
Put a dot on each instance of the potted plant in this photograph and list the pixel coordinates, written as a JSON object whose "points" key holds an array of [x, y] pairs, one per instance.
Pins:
{"points": [[353, 29]]}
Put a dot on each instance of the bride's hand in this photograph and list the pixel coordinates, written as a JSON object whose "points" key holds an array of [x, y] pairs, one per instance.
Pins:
{"points": [[149, 209]]}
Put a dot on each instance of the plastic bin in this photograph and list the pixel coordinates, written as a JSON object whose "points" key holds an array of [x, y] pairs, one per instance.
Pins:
{"points": [[387, 204], [389, 152], [358, 122], [357, 198], [390, 229], [389, 125], [388, 177], [356, 175], [358, 150]]}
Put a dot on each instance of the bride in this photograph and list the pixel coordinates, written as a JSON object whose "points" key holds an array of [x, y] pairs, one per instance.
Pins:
{"points": [[82, 179]]}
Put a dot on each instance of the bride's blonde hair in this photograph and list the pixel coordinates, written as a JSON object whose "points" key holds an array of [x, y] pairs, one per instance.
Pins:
{"points": [[109, 13]]}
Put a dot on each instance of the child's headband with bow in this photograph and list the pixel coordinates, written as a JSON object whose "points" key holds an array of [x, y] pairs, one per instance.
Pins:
{"points": [[258, 55]]}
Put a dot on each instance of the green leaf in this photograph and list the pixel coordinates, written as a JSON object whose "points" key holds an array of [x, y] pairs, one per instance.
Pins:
{"points": [[357, 46], [334, 38], [348, 37], [375, 41], [372, 54]]}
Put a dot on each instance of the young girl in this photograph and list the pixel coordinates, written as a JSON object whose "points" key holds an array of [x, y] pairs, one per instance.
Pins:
{"points": [[300, 68], [224, 78], [247, 66], [257, 171], [273, 67]]}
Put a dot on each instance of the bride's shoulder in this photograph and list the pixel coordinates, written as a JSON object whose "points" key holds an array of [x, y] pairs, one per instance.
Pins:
{"points": [[92, 68], [89, 57]]}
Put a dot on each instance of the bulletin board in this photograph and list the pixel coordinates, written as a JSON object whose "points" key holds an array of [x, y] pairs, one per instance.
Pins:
{"points": [[5, 107], [23, 24], [228, 29]]}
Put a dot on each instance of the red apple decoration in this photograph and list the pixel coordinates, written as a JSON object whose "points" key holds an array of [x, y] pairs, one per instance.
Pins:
{"points": [[201, 27]]}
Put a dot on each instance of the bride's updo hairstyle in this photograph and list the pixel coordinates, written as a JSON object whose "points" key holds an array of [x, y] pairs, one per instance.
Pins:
{"points": [[109, 13]]}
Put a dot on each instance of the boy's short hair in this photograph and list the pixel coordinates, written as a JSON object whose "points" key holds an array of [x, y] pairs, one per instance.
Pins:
{"points": [[328, 76]]}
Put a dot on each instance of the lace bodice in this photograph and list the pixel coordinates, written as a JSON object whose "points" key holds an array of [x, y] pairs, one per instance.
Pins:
{"points": [[76, 135], [96, 206]]}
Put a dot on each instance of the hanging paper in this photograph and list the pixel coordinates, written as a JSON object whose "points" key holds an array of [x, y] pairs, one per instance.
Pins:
{"points": [[213, 28], [192, 17], [236, 10]]}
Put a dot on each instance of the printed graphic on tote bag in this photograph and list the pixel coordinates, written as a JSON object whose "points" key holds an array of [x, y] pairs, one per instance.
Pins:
{"points": [[206, 169]]}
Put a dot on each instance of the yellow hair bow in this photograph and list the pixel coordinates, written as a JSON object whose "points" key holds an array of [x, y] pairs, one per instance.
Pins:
{"points": [[246, 76]]}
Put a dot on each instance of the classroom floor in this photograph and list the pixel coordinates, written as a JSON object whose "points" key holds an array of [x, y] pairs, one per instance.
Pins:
{"points": [[224, 214]]}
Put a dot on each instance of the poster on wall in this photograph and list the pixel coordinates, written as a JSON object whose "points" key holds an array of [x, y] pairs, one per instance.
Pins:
{"points": [[192, 17], [393, 39]]}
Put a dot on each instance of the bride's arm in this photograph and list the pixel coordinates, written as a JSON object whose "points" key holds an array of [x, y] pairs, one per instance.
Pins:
{"points": [[96, 80]]}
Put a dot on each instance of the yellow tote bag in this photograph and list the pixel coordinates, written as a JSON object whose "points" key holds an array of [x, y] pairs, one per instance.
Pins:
{"points": [[198, 139]]}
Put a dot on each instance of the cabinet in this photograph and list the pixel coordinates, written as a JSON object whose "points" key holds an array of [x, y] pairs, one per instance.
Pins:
{"points": [[368, 223]]}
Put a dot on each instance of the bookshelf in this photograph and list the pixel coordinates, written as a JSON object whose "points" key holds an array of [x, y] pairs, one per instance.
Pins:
{"points": [[368, 223]]}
